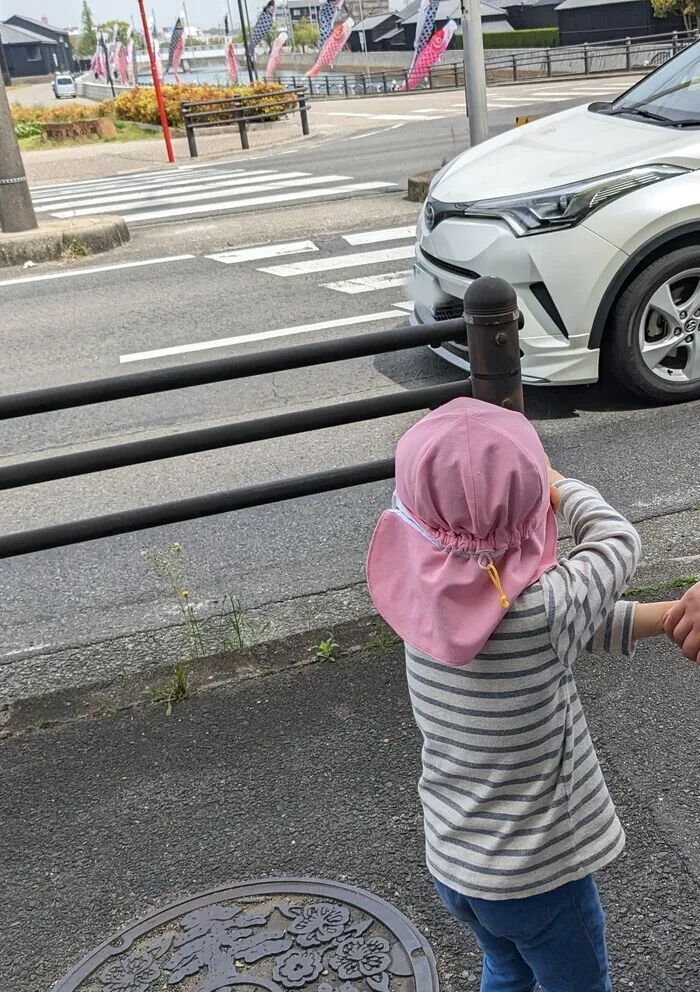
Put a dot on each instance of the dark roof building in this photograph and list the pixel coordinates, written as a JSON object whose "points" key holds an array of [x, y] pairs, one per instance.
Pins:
{"points": [[601, 20], [493, 18], [31, 53], [527, 14], [374, 31]]}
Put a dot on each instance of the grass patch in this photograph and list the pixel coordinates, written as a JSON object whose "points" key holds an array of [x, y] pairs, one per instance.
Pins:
{"points": [[175, 690], [76, 249], [684, 582], [383, 638], [126, 131]]}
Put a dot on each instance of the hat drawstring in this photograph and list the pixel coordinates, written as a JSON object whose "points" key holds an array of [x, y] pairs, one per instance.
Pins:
{"points": [[486, 563]]}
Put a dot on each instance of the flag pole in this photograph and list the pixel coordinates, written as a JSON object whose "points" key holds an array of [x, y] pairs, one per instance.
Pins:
{"points": [[156, 84]]}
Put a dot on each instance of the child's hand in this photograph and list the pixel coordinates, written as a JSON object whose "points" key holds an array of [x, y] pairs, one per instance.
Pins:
{"points": [[553, 475], [554, 494]]}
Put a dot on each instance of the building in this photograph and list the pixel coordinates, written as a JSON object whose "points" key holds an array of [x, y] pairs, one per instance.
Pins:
{"points": [[29, 53], [601, 20], [374, 32], [493, 18], [528, 14], [300, 10], [35, 48]]}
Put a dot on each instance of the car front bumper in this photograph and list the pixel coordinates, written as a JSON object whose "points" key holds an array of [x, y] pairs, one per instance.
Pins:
{"points": [[559, 279]]}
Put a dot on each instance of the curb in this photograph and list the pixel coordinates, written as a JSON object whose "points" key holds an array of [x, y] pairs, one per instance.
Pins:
{"points": [[418, 186], [54, 239]]}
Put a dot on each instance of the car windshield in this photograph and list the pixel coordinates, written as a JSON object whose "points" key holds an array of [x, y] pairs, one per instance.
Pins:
{"points": [[671, 93], [64, 80]]}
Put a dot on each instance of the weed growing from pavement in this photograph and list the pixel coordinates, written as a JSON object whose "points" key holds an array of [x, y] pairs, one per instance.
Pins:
{"points": [[238, 629], [326, 650], [171, 568], [684, 582], [233, 631], [383, 638], [175, 690], [76, 249]]}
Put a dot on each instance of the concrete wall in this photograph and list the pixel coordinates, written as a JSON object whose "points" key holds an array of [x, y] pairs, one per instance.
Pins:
{"points": [[88, 87]]}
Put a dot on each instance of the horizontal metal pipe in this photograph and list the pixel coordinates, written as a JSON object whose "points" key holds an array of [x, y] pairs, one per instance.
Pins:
{"points": [[210, 438], [224, 369], [112, 524]]}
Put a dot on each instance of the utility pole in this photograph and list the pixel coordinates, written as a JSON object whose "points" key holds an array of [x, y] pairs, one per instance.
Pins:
{"points": [[16, 207], [474, 72], [252, 75], [105, 53], [156, 84], [3, 66]]}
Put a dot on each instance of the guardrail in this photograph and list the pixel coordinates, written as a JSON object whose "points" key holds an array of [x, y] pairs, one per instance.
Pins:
{"points": [[241, 111], [641, 54], [490, 324]]}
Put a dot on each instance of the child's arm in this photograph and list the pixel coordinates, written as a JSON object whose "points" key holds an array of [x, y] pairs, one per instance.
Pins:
{"points": [[583, 593], [627, 623], [649, 619]]}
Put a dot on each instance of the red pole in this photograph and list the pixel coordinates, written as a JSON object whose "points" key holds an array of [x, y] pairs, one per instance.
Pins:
{"points": [[156, 84]]}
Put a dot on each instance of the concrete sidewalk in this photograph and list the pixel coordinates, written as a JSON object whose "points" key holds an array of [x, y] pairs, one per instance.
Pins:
{"points": [[312, 771], [99, 160]]}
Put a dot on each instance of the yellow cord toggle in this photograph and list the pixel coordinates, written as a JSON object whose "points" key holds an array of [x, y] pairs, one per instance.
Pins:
{"points": [[496, 579]]}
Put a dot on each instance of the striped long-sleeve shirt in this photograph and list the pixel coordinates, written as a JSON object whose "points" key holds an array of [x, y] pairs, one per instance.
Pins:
{"points": [[513, 796]]}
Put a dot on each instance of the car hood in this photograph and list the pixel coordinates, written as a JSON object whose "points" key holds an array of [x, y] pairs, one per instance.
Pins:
{"points": [[563, 148]]}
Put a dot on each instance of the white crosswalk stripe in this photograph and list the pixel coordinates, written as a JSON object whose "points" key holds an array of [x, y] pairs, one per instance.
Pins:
{"points": [[340, 262], [152, 196], [559, 92], [368, 284]]}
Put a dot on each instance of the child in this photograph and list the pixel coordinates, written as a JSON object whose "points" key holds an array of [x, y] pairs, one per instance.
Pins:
{"points": [[464, 568]]}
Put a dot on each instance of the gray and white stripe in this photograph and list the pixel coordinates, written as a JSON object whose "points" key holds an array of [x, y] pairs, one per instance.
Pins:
{"points": [[513, 795]]}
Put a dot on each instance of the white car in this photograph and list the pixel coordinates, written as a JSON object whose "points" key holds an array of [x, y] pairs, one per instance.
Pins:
{"points": [[64, 86], [593, 215]]}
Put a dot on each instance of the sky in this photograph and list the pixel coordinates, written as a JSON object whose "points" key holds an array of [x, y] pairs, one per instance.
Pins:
{"points": [[66, 13]]}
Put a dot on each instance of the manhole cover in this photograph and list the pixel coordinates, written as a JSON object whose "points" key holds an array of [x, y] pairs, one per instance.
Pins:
{"points": [[274, 934]]}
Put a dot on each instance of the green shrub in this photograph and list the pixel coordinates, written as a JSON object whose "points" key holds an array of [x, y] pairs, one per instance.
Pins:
{"points": [[28, 129], [527, 38]]}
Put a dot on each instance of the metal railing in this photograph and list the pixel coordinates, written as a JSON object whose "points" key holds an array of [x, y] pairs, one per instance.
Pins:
{"points": [[490, 325], [640, 54], [241, 111]]}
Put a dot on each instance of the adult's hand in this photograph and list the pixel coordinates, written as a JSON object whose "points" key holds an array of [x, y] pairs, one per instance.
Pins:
{"points": [[683, 624]]}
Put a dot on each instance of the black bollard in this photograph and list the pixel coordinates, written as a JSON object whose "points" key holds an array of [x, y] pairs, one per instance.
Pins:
{"points": [[493, 321]]}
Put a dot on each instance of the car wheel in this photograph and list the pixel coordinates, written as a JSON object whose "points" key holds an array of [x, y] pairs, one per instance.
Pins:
{"points": [[654, 347]]}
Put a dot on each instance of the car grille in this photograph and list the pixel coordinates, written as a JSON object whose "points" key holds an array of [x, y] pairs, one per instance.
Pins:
{"points": [[448, 311]]}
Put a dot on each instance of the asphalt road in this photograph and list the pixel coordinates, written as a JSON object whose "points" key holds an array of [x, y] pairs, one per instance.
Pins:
{"points": [[313, 772], [354, 144], [644, 459], [60, 330]]}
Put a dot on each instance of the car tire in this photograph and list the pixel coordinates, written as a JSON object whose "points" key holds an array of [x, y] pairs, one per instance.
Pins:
{"points": [[622, 355]]}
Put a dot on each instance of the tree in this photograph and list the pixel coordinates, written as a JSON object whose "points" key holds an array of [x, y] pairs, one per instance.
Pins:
{"points": [[88, 35], [108, 28], [305, 34], [689, 10], [272, 34]]}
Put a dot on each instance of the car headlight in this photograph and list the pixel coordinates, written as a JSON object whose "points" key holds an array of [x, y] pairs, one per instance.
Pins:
{"points": [[557, 208]]}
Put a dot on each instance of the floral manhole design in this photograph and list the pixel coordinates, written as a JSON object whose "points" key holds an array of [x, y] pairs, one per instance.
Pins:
{"points": [[273, 934]]}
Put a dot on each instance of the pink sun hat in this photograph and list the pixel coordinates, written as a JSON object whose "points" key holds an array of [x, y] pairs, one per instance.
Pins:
{"points": [[470, 527]]}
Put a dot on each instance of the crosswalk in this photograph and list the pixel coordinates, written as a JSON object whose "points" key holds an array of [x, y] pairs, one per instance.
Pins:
{"points": [[559, 92], [370, 288], [146, 198]]}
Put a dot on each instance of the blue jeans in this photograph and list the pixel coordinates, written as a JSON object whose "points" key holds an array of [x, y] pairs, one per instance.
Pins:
{"points": [[556, 939]]}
